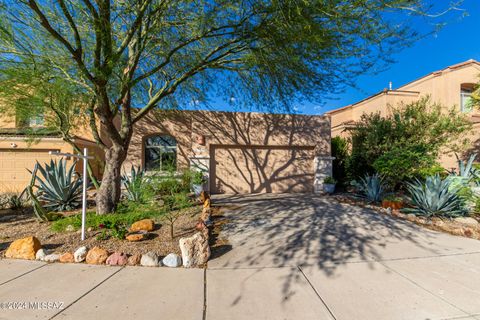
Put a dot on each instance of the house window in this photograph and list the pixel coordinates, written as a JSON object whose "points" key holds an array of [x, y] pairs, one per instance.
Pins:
{"points": [[160, 153], [466, 104]]}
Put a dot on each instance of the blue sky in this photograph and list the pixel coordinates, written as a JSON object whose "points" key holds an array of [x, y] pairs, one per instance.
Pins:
{"points": [[454, 43]]}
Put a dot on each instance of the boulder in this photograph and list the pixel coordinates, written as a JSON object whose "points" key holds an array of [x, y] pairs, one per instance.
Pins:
{"points": [[149, 259], [52, 257], [467, 221], [80, 254], [67, 258], [143, 225], [41, 254], [96, 255], [137, 236], [195, 249], [134, 260], [24, 248], [117, 259], [172, 260]]}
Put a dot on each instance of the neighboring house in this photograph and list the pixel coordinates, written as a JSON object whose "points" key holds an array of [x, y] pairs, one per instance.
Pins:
{"points": [[449, 87], [239, 152]]}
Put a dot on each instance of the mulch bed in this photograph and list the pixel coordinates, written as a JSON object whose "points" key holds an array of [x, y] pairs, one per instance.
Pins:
{"points": [[21, 223]]}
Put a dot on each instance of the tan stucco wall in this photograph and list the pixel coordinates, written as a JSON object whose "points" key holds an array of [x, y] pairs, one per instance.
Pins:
{"points": [[442, 87], [240, 131]]}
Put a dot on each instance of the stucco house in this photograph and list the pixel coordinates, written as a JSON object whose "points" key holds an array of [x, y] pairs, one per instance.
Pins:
{"points": [[451, 86], [239, 152]]}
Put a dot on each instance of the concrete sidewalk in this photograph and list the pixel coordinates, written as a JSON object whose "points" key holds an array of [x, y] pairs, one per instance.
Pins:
{"points": [[288, 257]]}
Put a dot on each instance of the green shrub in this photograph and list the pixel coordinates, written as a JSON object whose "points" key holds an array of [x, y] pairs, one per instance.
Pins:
{"points": [[405, 143], [329, 180], [435, 197], [341, 155], [177, 201]]}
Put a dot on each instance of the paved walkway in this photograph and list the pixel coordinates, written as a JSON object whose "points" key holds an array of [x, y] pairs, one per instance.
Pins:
{"points": [[288, 257]]}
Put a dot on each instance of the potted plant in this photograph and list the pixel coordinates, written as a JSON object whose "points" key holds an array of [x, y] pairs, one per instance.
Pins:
{"points": [[329, 185], [198, 182], [392, 201]]}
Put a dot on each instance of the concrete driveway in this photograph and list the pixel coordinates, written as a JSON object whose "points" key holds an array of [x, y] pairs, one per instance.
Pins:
{"points": [[287, 257]]}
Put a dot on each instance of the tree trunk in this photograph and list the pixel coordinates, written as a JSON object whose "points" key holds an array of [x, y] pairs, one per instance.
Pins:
{"points": [[108, 195]]}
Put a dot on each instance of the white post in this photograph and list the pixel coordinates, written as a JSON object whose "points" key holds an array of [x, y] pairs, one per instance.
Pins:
{"points": [[84, 195]]}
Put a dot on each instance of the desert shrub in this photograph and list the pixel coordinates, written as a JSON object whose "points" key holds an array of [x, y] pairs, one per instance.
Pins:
{"points": [[405, 143], [371, 187], [435, 197], [340, 153], [177, 201]]}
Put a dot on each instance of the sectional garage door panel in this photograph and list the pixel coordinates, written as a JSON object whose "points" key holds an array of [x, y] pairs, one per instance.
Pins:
{"points": [[239, 169], [14, 164]]}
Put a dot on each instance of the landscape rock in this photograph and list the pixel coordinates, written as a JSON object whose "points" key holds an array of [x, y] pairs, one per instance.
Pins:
{"points": [[469, 232], [467, 221], [437, 222], [149, 259], [172, 260], [24, 248], [134, 260], [195, 249], [52, 257], [204, 195], [67, 258], [70, 228], [206, 203], [143, 225], [117, 259], [206, 215], [80, 254], [411, 217], [137, 236], [96, 255], [40, 255]]}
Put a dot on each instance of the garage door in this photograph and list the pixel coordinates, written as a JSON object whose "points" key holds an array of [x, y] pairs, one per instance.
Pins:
{"points": [[239, 169], [14, 164]]}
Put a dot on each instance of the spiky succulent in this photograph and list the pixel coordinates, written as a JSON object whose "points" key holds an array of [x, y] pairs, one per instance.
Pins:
{"points": [[59, 188], [134, 184], [435, 197], [371, 187]]}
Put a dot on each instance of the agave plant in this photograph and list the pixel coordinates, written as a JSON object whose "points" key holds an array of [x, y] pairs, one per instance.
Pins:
{"points": [[435, 197], [59, 187], [371, 187], [134, 184]]}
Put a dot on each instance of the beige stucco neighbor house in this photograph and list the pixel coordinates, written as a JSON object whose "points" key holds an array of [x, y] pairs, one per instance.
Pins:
{"points": [[449, 87], [239, 152]]}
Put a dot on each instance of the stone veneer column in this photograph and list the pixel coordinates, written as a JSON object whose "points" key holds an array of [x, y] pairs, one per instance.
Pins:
{"points": [[323, 169], [201, 163]]}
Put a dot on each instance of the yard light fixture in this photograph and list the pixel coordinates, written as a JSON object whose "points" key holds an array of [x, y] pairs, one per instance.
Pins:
{"points": [[85, 158]]}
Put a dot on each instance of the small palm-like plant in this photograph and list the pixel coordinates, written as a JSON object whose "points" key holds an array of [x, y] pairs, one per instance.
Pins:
{"points": [[435, 197], [59, 188], [371, 187], [134, 184]]}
